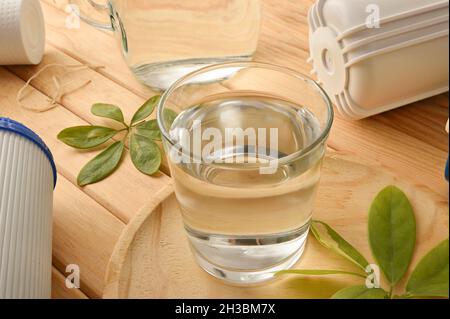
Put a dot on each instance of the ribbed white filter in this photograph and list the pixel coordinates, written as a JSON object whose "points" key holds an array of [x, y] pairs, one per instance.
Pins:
{"points": [[26, 196]]}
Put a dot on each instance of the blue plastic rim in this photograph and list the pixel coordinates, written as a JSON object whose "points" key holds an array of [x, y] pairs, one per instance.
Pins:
{"points": [[447, 170], [18, 128]]}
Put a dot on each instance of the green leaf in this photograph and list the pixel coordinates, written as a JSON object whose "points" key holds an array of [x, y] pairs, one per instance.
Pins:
{"points": [[430, 277], [329, 238], [169, 117], [108, 111], [321, 272], [145, 154], [145, 110], [84, 137], [102, 165], [392, 232], [148, 129], [360, 292]]}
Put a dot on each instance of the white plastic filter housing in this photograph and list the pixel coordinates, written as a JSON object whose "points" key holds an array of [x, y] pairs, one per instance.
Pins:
{"points": [[370, 65], [26, 198], [22, 32]]}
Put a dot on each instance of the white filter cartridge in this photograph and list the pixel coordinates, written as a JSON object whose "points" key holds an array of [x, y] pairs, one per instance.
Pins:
{"points": [[27, 179], [22, 32]]}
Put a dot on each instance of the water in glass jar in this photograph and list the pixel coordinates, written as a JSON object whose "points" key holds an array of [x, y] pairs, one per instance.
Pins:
{"points": [[162, 40], [241, 222]]}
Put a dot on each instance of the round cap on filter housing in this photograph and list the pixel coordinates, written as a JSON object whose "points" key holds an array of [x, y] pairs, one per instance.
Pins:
{"points": [[22, 32], [330, 66]]}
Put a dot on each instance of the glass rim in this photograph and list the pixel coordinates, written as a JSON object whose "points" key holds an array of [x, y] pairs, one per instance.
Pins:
{"points": [[261, 65]]}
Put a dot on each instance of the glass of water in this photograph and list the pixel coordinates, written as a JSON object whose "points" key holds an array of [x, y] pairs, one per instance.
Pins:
{"points": [[163, 40], [245, 151]]}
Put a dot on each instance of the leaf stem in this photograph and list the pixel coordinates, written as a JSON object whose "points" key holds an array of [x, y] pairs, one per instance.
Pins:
{"points": [[136, 124], [391, 290], [321, 272], [126, 136]]}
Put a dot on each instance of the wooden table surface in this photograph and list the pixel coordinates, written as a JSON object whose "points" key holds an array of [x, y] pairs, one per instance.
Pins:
{"points": [[87, 222]]}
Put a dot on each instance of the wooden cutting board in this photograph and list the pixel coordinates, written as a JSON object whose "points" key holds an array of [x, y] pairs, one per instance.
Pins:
{"points": [[152, 259]]}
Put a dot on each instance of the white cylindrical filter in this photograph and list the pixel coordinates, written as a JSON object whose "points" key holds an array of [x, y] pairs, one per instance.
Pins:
{"points": [[372, 56], [22, 32], [27, 180]]}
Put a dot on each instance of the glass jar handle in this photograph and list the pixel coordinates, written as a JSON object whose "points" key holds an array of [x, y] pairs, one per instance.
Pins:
{"points": [[92, 12]]}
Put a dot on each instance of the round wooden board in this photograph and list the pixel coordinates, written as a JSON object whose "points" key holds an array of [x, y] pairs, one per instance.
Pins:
{"points": [[152, 258]]}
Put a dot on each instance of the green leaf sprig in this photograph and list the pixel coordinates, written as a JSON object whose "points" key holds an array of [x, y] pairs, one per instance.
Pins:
{"points": [[142, 134], [392, 237]]}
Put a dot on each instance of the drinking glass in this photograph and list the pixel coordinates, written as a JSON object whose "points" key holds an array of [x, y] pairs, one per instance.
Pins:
{"points": [[162, 40], [245, 152]]}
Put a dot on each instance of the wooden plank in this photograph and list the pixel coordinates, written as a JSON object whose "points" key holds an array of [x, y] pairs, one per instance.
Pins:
{"points": [[91, 46], [409, 140], [78, 42], [284, 40], [101, 89], [284, 34], [84, 234], [59, 289], [424, 120], [159, 266], [79, 102], [370, 139], [123, 193], [409, 157]]}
